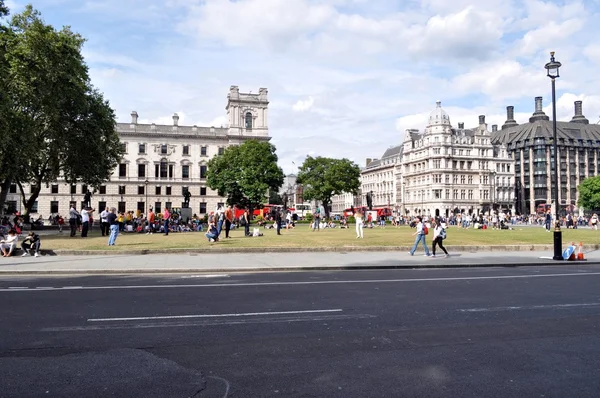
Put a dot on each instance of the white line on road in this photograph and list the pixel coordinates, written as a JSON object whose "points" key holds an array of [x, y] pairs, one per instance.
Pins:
{"points": [[530, 307], [149, 318], [333, 282]]}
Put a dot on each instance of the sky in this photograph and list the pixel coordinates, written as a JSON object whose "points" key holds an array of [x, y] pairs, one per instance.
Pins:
{"points": [[346, 78]]}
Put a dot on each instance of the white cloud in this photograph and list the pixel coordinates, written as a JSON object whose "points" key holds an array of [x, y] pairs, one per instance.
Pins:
{"points": [[303, 105]]}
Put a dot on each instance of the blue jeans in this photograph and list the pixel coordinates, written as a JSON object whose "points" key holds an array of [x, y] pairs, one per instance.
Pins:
{"points": [[211, 236], [420, 238], [166, 227], [114, 232], [219, 227]]}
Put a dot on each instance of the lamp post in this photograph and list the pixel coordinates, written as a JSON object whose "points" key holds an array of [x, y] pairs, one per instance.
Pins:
{"points": [[553, 74], [146, 190]]}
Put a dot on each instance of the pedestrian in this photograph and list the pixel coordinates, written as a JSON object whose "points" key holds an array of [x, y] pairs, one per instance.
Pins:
{"points": [[548, 220], [61, 221], [359, 217], [212, 233], [166, 217], [104, 226], [439, 234], [73, 216], [113, 225], [151, 219], [317, 219], [32, 241], [422, 230], [86, 213], [245, 221], [228, 220], [220, 218], [278, 222]]}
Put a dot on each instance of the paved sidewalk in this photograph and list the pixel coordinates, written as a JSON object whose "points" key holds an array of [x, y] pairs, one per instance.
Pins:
{"points": [[272, 261]]}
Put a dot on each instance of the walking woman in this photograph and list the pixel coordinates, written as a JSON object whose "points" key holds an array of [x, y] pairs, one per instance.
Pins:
{"points": [[359, 217], [246, 222], [422, 230], [439, 234]]}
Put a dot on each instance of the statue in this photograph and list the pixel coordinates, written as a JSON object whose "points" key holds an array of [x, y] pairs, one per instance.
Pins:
{"points": [[285, 201], [87, 199], [370, 200], [186, 197]]}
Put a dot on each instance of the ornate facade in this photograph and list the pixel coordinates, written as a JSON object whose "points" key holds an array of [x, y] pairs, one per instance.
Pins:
{"points": [[163, 161]]}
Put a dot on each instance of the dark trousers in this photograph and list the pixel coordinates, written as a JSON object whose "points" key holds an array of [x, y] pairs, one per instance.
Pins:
{"points": [[105, 229], [84, 229], [26, 246], [73, 225], [438, 242], [166, 226], [247, 228], [227, 227], [278, 227]]}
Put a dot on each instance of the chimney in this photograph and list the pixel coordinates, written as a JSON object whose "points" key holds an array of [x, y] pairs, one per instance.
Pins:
{"points": [[510, 118], [461, 125], [481, 119], [134, 117], [579, 118], [494, 128], [539, 112], [175, 119]]}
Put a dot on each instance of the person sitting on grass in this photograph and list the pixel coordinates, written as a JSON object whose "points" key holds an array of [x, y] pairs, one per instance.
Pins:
{"points": [[213, 233], [9, 244], [32, 241]]}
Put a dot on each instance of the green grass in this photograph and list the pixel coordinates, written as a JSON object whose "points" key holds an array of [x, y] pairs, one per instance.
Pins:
{"points": [[303, 236]]}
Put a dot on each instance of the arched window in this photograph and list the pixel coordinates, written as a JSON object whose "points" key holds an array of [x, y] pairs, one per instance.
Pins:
{"points": [[248, 119]]}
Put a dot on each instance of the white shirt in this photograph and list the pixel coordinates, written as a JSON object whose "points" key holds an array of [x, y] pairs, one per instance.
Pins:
{"points": [[85, 216], [103, 216], [437, 231]]}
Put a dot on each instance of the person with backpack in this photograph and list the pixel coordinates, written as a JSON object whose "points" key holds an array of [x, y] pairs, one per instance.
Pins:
{"points": [[439, 234], [422, 230]]}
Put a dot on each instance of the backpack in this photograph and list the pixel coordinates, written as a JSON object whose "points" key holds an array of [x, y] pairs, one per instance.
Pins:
{"points": [[443, 233], [425, 229]]}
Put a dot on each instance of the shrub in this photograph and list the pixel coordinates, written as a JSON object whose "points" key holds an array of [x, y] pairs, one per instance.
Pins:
{"points": [[309, 217], [351, 220]]}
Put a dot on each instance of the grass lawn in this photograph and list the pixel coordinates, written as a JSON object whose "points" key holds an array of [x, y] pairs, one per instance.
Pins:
{"points": [[303, 236]]}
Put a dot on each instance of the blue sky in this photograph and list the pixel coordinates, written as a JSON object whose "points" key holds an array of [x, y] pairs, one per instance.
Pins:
{"points": [[345, 77]]}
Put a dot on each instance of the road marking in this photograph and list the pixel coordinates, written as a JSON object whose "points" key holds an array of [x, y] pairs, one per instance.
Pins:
{"points": [[148, 318], [207, 322], [529, 307], [206, 276], [333, 282]]}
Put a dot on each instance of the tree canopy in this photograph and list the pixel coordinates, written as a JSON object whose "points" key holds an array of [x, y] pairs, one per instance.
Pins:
{"points": [[589, 193], [323, 178], [245, 173], [58, 126]]}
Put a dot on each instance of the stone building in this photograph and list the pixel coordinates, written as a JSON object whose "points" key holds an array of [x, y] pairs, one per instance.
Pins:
{"points": [[161, 162], [531, 147], [379, 179]]}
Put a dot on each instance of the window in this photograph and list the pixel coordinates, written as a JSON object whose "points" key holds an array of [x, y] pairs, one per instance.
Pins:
{"points": [[203, 151], [73, 189], [163, 169], [248, 120], [186, 149], [470, 179], [54, 189], [462, 179], [124, 146], [141, 190], [142, 149], [470, 194], [221, 150], [203, 208], [84, 188], [202, 191], [121, 189], [171, 171], [157, 208], [462, 194], [122, 170], [141, 170], [163, 149], [101, 206], [34, 208], [54, 206], [102, 190], [13, 188], [185, 171], [447, 181], [157, 191], [141, 206], [121, 207], [202, 171], [184, 190], [168, 205], [169, 193]]}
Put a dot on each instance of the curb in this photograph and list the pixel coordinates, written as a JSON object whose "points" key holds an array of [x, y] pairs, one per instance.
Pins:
{"points": [[287, 269], [343, 249]]}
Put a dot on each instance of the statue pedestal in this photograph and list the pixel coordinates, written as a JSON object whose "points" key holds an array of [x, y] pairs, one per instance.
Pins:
{"points": [[186, 214]]}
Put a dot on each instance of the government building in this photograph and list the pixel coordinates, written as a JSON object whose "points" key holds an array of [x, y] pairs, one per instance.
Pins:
{"points": [[162, 162]]}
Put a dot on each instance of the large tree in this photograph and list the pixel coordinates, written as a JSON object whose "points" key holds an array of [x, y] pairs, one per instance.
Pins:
{"points": [[245, 173], [323, 178], [62, 127], [3, 9], [589, 193]]}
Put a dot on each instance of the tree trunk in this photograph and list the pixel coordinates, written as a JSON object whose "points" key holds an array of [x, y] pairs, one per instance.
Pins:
{"points": [[28, 203], [4, 189]]}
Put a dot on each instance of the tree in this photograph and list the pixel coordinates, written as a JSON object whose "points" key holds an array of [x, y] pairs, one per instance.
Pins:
{"points": [[589, 193], [323, 178], [3, 9], [62, 127], [245, 173]]}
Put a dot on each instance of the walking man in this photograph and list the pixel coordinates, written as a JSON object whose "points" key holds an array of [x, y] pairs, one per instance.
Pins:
{"points": [[166, 217], [73, 216], [113, 224], [86, 213], [104, 226], [420, 237]]}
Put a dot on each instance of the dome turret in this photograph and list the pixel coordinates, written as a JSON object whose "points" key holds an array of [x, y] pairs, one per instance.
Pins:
{"points": [[438, 116]]}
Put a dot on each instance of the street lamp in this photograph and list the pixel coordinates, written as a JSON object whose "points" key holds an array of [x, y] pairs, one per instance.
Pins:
{"points": [[552, 68], [146, 190]]}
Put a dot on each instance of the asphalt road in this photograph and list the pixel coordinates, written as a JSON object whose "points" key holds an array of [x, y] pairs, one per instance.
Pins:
{"points": [[487, 332]]}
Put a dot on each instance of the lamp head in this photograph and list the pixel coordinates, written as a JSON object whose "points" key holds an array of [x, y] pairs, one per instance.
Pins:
{"points": [[552, 67]]}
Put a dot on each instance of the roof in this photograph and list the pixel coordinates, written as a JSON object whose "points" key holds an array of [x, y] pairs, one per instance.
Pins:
{"points": [[569, 132], [391, 152]]}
